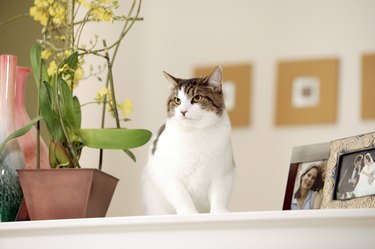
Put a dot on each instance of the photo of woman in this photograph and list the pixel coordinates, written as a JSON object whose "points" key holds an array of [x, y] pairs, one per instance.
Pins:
{"points": [[308, 183]]}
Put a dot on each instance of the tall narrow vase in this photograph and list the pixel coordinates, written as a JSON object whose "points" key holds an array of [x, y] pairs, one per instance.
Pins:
{"points": [[28, 142], [12, 158]]}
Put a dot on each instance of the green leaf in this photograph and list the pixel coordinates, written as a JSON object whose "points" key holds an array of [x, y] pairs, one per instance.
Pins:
{"points": [[46, 100], [67, 106], [112, 138], [72, 60], [19, 132], [35, 53], [49, 115], [130, 154], [77, 111]]}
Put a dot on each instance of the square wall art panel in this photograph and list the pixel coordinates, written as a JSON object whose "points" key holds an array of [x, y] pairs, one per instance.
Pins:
{"points": [[306, 92]]}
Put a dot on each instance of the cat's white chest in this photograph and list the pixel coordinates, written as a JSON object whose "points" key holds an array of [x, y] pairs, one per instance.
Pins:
{"points": [[190, 153], [194, 158]]}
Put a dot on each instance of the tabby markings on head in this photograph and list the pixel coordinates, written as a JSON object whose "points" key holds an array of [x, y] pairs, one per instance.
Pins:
{"points": [[198, 91], [205, 92]]}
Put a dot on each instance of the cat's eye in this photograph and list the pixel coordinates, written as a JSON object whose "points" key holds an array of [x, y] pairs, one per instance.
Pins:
{"points": [[177, 100], [197, 98]]}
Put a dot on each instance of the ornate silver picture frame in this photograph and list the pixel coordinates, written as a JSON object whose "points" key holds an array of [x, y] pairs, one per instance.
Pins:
{"points": [[350, 173]]}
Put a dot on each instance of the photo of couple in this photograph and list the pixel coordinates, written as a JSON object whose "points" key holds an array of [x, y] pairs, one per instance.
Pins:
{"points": [[308, 186], [356, 175]]}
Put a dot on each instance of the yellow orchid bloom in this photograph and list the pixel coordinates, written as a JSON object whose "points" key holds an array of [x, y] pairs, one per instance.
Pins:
{"points": [[127, 107], [46, 53], [101, 94], [52, 68]]}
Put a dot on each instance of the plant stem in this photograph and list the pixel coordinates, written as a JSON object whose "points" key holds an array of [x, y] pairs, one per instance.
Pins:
{"points": [[89, 103], [102, 126], [11, 19], [81, 26], [112, 87], [38, 113], [72, 24]]}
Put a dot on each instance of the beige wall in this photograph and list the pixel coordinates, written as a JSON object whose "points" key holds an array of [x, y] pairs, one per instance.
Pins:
{"points": [[176, 36]]}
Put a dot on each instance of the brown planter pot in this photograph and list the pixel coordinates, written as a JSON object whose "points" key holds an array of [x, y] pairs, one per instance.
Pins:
{"points": [[66, 193]]}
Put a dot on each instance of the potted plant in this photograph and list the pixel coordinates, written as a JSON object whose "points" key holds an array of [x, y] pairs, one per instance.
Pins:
{"points": [[57, 62]]}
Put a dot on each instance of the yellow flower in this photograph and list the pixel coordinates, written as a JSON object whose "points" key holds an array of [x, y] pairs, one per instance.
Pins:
{"points": [[52, 11], [40, 3], [127, 107], [46, 54], [52, 68], [102, 94], [45, 10], [43, 19], [84, 3], [78, 74], [59, 13], [33, 11], [39, 15], [101, 14], [67, 53]]}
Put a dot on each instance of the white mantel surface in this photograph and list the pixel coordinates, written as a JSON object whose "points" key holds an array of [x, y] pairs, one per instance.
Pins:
{"points": [[316, 229]]}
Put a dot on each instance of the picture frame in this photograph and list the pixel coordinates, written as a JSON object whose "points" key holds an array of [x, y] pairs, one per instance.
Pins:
{"points": [[306, 92], [237, 91], [302, 158], [343, 154]]}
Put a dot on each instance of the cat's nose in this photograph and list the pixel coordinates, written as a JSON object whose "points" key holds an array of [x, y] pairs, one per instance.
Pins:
{"points": [[183, 113]]}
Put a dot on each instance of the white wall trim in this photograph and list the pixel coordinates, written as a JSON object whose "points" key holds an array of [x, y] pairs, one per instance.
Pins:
{"points": [[280, 229]]}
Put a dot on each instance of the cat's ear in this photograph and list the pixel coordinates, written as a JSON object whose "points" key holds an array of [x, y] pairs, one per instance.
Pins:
{"points": [[215, 78], [172, 82]]}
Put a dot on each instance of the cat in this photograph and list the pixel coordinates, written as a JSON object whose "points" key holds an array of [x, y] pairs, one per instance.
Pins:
{"points": [[190, 168]]}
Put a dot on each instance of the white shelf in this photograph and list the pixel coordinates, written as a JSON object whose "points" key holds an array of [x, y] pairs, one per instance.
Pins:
{"points": [[317, 229]]}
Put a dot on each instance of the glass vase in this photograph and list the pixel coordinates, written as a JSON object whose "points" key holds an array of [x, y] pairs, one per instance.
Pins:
{"points": [[11, 158], [28, 142]]}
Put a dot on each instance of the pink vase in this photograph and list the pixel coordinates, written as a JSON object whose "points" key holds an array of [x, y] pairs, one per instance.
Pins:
{"points": [[11, 158], [29, 140]]}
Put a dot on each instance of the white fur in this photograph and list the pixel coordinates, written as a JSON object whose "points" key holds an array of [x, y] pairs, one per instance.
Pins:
{"points": [[192, 169]]}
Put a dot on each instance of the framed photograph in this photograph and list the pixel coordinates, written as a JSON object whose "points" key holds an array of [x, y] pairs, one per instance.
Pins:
{"points": [[350, 173], [306, 92], [236, 90], [306, 177]]}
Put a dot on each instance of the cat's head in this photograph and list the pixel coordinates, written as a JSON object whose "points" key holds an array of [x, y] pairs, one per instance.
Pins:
{"points": [[196, 100]]}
